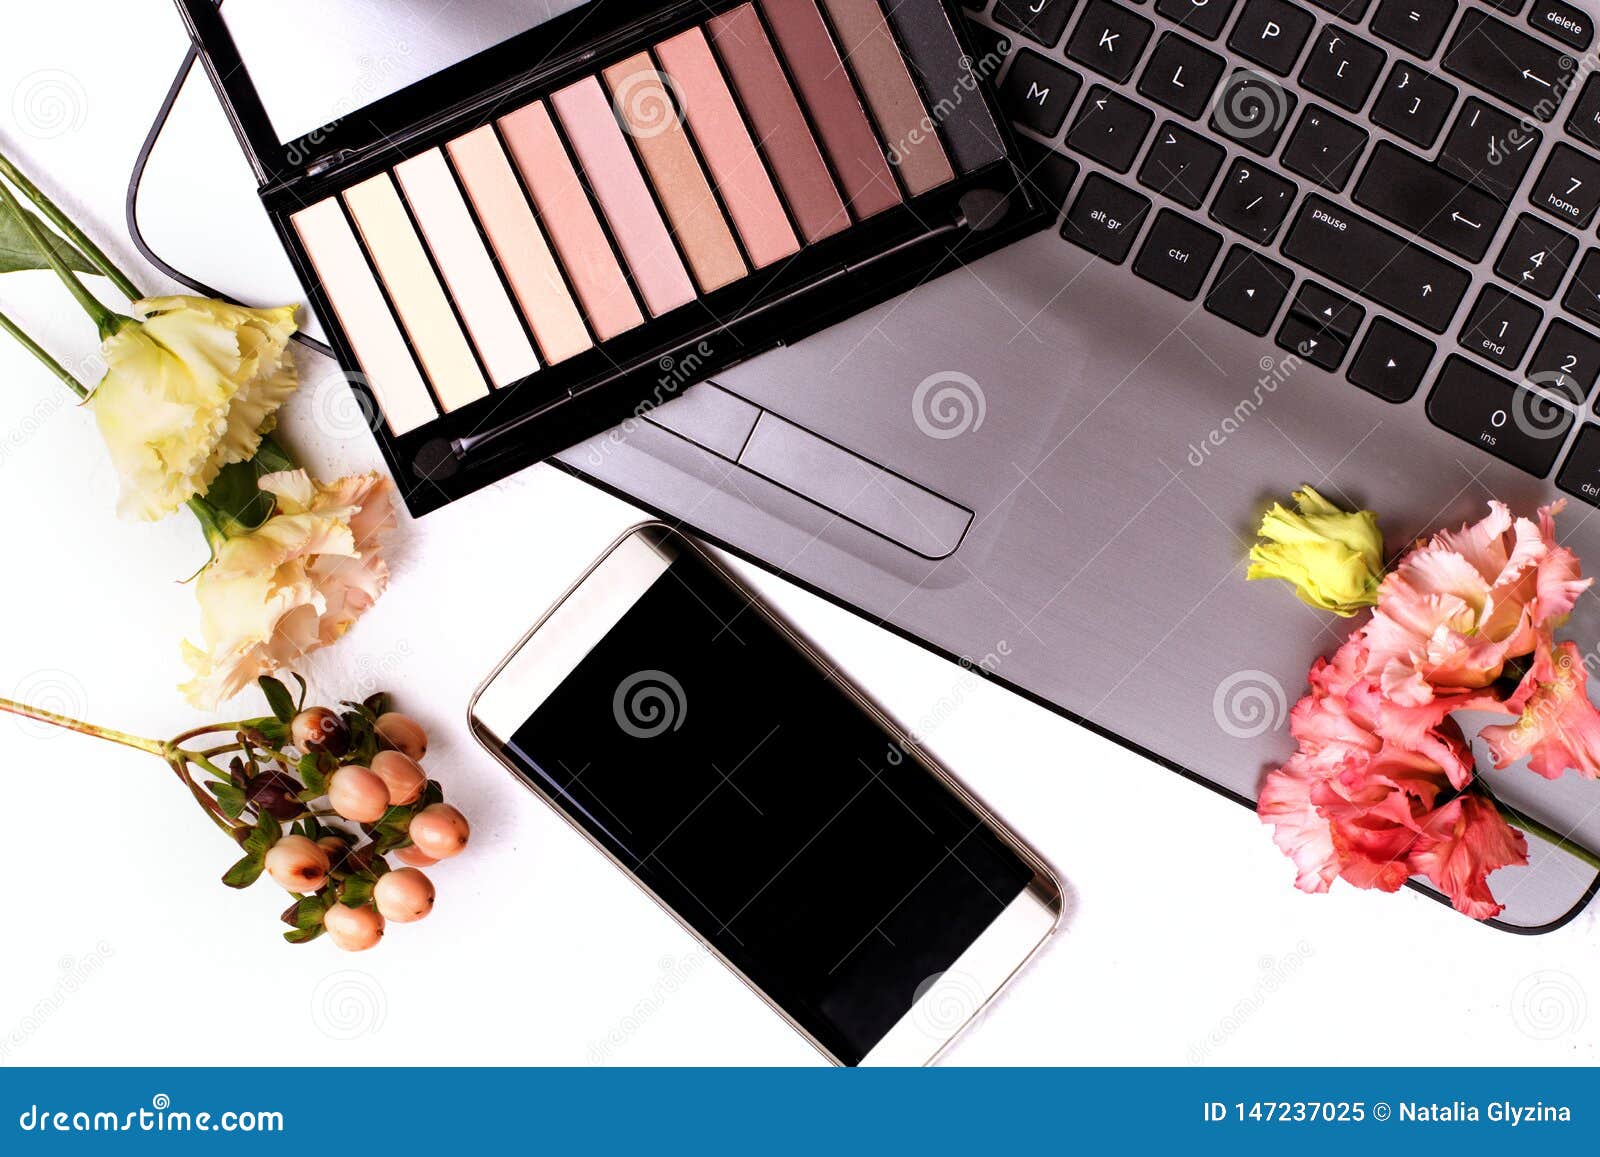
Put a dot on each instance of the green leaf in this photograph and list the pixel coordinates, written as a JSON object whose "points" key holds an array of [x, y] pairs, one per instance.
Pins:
{"points": [[267, 832], [357, 891], [246, 872], [312, 775], [300, 703], [236, 497], [231, 798], [307, 913], [303, 935], [275, 734], [19, 251], [277, 698], [431, 794]]}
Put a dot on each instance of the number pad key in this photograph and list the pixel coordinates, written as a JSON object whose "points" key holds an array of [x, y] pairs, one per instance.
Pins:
{"points": [[1515, 424], [1583, 295], [1536, 256], [1580, 473], [1252, 201], [1569, 187], [1413, 104], [1342, 68], [1566, 363], [1500, 328]]}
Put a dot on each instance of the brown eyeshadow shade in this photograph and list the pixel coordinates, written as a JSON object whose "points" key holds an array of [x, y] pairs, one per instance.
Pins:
{"points": [[736, 166], [574, 230], [651, 118], [892, 96], [780, 126], [824, 84]]}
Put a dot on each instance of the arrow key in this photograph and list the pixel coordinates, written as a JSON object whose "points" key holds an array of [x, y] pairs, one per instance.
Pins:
{"points": [[1312, 342], [1249, 289], [1569, 187], [1391, 362], [1327, 310]]}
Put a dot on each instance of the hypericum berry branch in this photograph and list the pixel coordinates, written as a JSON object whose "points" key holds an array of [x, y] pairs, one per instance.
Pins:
{"points": [[262, 784]]}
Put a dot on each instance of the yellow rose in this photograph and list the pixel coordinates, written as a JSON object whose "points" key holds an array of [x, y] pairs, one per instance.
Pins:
{"points": [[295, 584], [1333, 557], [191, 385]]}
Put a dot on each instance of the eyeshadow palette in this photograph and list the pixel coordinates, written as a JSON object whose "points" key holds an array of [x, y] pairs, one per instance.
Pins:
{"points": [[577, 222]]}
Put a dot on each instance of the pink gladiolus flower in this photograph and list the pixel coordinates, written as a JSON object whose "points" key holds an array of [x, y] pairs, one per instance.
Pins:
{"points": [[1460, 605], [1461, 844], [1557, 728]]}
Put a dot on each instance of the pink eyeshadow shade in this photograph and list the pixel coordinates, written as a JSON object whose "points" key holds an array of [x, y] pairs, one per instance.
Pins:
{"points": [[525, 256], [353, 292], [574, 230], [463, 259], [641, 234], [730, 153]]}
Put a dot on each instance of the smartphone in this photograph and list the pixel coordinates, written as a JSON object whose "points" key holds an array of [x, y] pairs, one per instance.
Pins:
{"points": [[719, 760]]}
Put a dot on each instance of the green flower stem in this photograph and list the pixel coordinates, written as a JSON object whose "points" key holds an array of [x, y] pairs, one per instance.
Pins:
{"points": [[106, 321], [70, 230], [38, 351], [138, 743], [1548, 834]]}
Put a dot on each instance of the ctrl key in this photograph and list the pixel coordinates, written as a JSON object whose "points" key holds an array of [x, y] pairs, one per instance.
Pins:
{"points": [[1580, 473], [1515, 424], [1105, 218]]}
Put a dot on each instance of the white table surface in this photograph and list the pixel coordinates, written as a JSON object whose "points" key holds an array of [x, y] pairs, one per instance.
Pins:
{"points": [[1185, 942]]}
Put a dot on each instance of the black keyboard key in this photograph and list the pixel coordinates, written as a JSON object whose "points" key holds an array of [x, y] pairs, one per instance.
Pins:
{"points": [[1252, 200], [1105, 218], [1584, 123], [1580, 473], [1202, 17], [1413, 104], [1424, 199], [1324, 147], [1177, 254], [1342, 68], [1047, 174], [1249, 289], [1325, 309], [1569, 187], [1271, 33], [1038, 92], [1567, 362], [1109, 128], [1415, 25], [1391, 362], [1568, 24], [1509, 7], [1319, 347], [1583, 295], [1490, 148], [1040, 20], [1181, 165], [1352, 10], [1181, 75], [990, 47], [1536, 256], [1109, 39], [1378, 264], [1515, 424], [1253, 110], [1500, 327], [1509, 64]]}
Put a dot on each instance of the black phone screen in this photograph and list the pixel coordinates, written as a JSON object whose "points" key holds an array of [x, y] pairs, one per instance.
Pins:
{"points": [[760, 802]]}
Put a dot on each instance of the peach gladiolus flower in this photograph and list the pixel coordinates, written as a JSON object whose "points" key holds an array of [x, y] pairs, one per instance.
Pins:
{"points": [[1557, 728], [1458, 606], [295, 584]]}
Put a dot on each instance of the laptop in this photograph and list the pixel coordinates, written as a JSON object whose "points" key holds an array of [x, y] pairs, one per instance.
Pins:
{"points": [[1347, 243]]}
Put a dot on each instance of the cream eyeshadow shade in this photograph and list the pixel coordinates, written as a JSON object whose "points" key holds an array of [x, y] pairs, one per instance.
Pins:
{"points": [[520, 244], [620, 188], [574, 230], [740, 175], [458, 249], [380, 348], [651, 118], [414, 288]]}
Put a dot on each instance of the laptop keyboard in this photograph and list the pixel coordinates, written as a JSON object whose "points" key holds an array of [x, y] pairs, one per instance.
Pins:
{"points": [[1202, 142]]}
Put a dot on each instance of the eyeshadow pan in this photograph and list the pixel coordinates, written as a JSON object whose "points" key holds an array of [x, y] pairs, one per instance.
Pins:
{"points": [[458, 249], [824, 83], [951, 78], [591, 125], [414, 288], [364, 315], [892, 96], [779, 123], [650, 116], [741, 177], [520, 245], [575, 231]]}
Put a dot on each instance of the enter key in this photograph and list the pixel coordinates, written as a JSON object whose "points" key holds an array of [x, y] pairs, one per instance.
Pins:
{"points": [[1435, 205]]}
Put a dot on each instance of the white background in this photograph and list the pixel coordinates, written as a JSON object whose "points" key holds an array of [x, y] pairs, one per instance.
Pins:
{"points": [[1185, 942]]}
